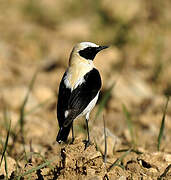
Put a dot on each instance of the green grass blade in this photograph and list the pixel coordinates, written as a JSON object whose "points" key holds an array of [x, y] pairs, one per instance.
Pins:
{"points": [[129, 123], [104, 101], [6, 143], [22, 109], [162, 125], [6, 166], [39, 155], [35, 169], [116, 163], [132, 150], [105, 138]]}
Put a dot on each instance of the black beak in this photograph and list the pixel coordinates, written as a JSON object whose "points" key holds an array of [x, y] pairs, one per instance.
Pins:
{"points": [[101, 48]]}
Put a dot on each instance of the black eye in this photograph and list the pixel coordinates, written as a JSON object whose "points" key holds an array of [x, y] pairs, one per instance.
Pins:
{"points": [[88, 53]]}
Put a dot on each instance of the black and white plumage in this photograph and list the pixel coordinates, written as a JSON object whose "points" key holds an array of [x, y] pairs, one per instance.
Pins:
{"points": [[79, 88]]}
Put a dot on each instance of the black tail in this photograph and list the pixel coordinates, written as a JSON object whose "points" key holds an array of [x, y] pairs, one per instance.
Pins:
{"points": [[63, 134]]}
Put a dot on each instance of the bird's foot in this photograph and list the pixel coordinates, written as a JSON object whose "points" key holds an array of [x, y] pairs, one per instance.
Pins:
{"points": [[87, 144], [72, 141]]}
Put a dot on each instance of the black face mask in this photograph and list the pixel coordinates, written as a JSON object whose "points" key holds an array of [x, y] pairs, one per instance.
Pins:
{"points": [[90, 52]]}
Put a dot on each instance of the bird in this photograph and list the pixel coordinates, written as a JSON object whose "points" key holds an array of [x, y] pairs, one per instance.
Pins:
{"points": [[78, 90]]}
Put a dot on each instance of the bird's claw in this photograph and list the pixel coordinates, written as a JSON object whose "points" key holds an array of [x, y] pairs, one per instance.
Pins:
{"points": [[72, 141], [87, 144]]}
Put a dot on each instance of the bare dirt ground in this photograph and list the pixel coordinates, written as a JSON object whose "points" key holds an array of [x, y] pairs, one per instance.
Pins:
{"points": [[38, 37]]}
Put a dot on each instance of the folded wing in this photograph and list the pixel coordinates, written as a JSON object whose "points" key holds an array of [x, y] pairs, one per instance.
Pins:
{"points": [[82, 95]]}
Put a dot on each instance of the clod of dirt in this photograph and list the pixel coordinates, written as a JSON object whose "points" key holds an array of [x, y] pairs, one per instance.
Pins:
{"points": [[133, 166], [11, 166], [153, 163], [78, 161]]}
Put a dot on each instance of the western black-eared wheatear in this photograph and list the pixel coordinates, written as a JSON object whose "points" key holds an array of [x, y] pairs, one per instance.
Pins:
{"points": [[79, 89]]}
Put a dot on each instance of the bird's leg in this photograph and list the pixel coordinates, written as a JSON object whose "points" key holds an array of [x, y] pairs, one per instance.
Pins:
{"points": [[87, 142], [72, 134]]}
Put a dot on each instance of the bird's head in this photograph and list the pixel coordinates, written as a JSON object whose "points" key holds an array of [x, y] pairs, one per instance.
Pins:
{"points": [[87, 50]]}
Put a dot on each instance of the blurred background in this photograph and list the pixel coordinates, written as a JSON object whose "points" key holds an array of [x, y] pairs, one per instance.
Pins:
{"points": [[38, 36]]}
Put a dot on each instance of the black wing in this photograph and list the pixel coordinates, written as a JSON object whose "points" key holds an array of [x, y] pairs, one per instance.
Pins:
{"points": [[82, 95], [63, 97]]}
